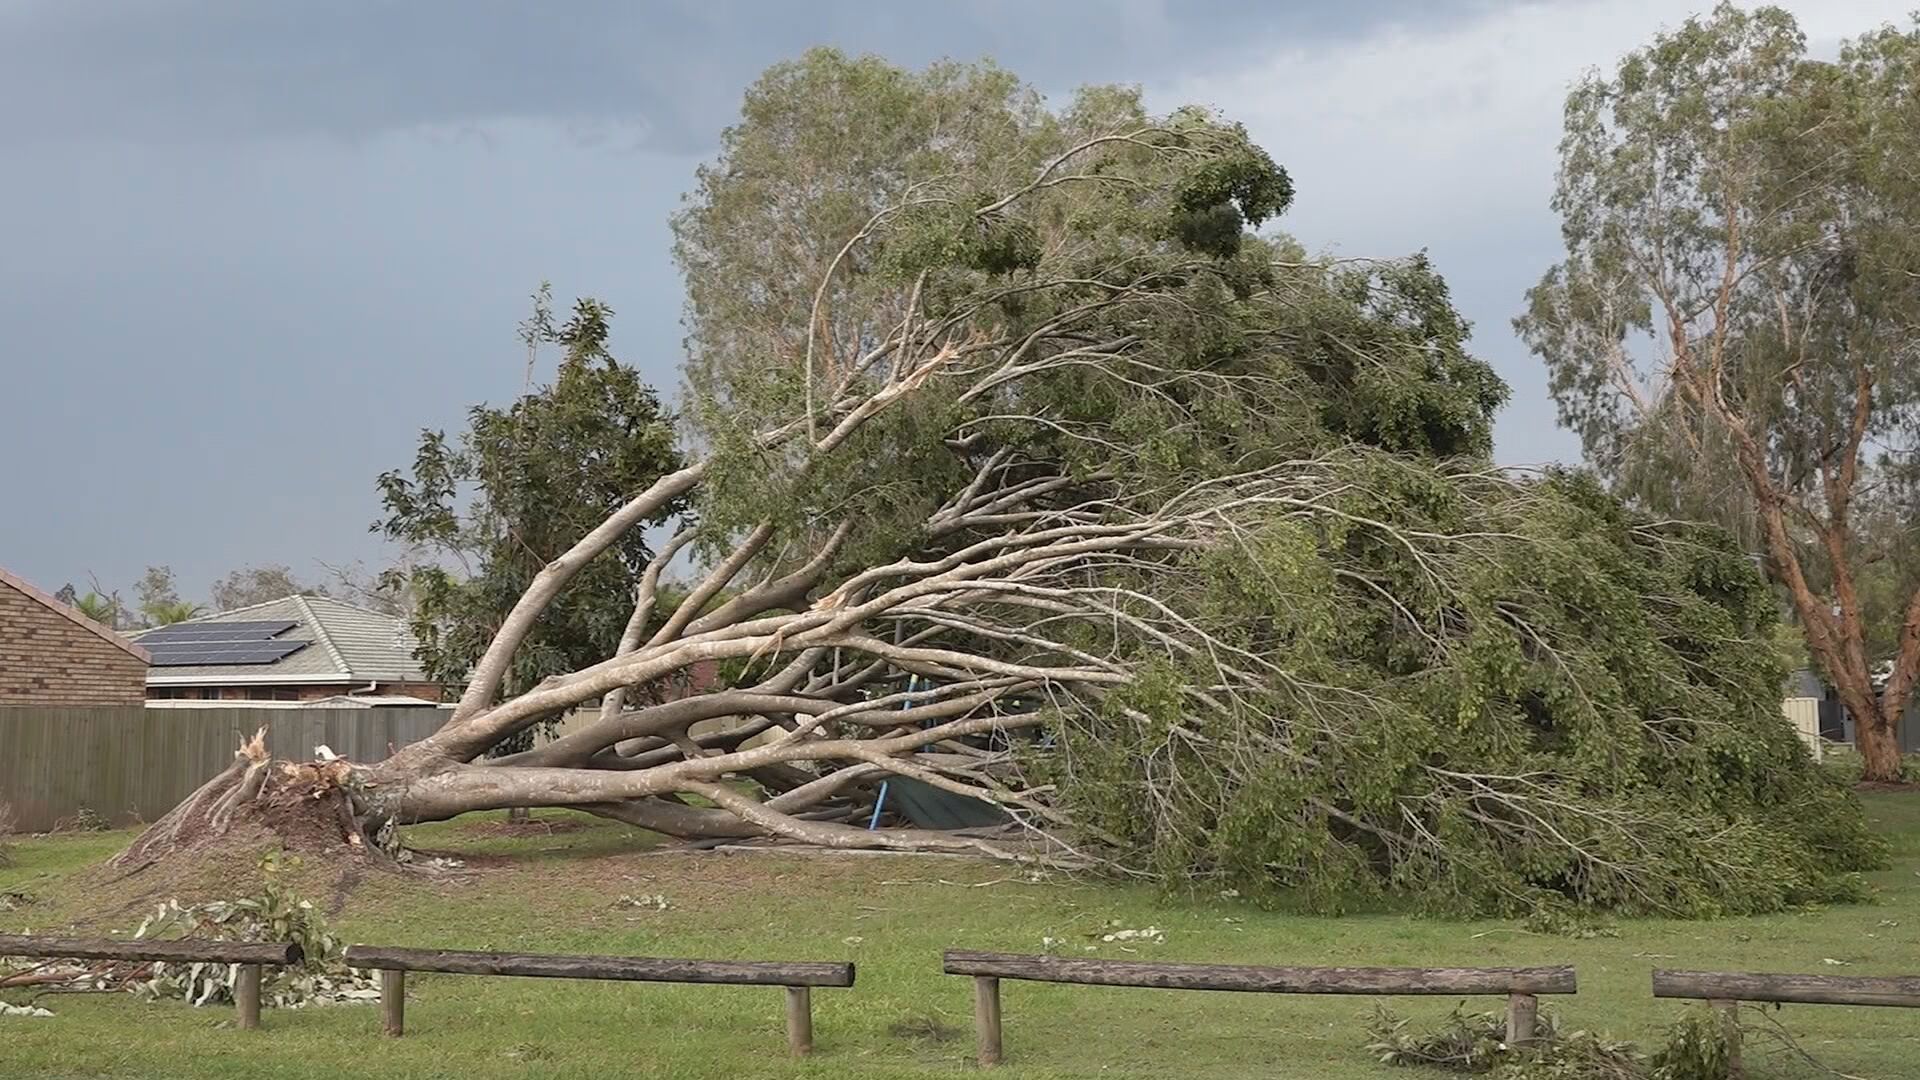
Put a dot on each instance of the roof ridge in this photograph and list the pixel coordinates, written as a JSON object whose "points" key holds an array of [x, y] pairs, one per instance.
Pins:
{"points": [[320, 633], [111, 636], [350, 606]]}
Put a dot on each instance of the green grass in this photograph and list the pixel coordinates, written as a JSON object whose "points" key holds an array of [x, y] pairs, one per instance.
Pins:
{"points": [[893, 916]]}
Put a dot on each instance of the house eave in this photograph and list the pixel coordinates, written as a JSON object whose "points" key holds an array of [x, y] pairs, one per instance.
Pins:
{"points": [[257, 680]]}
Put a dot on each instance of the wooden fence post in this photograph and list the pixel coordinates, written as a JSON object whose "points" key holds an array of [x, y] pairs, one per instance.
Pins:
{"points": [[799, 1021], [1523, 1012], [393, 1001], [986, 1017], [1728, 1013], [246, 996]]}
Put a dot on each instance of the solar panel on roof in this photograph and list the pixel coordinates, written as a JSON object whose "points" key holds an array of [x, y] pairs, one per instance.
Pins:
{"points": [[243, 630], [183, 653]]}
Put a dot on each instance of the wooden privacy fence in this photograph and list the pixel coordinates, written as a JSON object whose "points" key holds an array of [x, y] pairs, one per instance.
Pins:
{"points": [[128, 763], [1725, 990], [249, 956], [797, 978], [1520, 985]]}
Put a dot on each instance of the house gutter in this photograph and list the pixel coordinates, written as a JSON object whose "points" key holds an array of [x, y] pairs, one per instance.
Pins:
{"points": [[242, 680]]}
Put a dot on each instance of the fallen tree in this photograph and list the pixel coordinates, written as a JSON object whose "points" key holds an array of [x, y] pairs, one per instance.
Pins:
{"points": [[1058, 488]]}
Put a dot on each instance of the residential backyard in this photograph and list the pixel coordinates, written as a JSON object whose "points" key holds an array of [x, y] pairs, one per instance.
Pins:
{"points": [[562, 891]]}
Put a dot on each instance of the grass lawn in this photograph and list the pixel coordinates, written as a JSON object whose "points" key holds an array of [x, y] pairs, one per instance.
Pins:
{"points": [[556, 893]]}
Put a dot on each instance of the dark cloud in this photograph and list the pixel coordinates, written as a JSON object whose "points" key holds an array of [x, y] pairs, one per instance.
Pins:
{"points": [[253, 247], [205, 69]]}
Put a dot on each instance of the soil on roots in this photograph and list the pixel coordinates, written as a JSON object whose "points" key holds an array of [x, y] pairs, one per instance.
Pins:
{"points": [[303, 822]]}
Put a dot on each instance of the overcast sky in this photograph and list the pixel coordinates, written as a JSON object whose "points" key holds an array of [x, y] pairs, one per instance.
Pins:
{"points": [[248, 250]]}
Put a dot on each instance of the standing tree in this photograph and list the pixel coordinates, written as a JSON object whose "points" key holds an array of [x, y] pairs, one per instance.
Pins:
{"points": [[252, 585], [1735, 331], [103, 608], [1059, 487], [159, 600], [521, 487], [169, 612]]}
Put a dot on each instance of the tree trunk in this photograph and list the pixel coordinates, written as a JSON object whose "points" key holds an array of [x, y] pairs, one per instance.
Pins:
{"points": [[1877, 736]]}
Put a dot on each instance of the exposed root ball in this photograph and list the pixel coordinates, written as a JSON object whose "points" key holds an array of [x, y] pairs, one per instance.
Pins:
{"points": [[304, 807]]}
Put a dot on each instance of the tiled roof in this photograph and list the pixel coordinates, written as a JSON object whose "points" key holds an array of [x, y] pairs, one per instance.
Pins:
{"points": [[350, 644], [28, 589]]}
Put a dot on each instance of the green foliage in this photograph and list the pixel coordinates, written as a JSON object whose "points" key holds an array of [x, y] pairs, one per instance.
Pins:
{"points": [[105, 610], [1693, 1049], [250, 585], [1506, 696], [166, 614], [158, 600], [520, 487], [1732, 327], [276, 913], [1476, 1043], [1489, 693]]}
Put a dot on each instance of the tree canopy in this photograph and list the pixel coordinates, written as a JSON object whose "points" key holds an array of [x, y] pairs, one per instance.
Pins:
{"points": [[1026, 460], [257, 584], [1735, 330], [519, 487]]}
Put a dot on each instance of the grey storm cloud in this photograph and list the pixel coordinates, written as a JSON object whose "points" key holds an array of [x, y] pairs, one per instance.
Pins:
{"points": [[254, 246], [179, 69]]}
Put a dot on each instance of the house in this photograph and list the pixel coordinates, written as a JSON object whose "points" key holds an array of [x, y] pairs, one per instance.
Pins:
{"points": [[301, 649], [1812, 704], [51, 654]]}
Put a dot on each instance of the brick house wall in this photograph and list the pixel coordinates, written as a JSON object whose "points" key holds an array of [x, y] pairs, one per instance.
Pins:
{"points": [[52, 656]]}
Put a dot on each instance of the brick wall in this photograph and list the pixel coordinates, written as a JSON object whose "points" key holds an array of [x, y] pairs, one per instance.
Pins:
{"points": [[47, 658]]}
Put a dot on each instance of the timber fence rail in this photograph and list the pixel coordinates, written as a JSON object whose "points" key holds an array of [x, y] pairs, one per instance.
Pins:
{"points": [[249, 956], [797, 978], [1725, 990], [1521, 986]]}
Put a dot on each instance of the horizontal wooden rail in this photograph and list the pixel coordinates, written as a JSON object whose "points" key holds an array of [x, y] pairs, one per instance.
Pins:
{"points": [[624, 968], [1725, 990], [1269, 980], [249, 955], [1520, 985], [1794, 989], [796, 977], [189, 951]]}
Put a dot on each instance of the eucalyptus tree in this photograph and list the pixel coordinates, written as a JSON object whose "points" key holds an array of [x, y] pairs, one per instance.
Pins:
{"points": [[1019, 462], [1735, 329]]}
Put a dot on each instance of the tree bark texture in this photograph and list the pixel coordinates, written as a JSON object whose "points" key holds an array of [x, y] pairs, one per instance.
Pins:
{"points": [[626, 968], [1803, 989], [1272, 980]]}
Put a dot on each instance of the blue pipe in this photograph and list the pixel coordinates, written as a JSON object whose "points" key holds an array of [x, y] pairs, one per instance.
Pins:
{"points": [[874, 822]]}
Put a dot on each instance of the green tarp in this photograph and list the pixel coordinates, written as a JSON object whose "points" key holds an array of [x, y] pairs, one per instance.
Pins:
{"points": [[933, 808]]}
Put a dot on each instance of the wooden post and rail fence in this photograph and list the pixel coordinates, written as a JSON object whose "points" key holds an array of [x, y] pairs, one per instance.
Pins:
{"points": [[249, 956], [1725, 990], [1520, 986], [798, 979]]}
